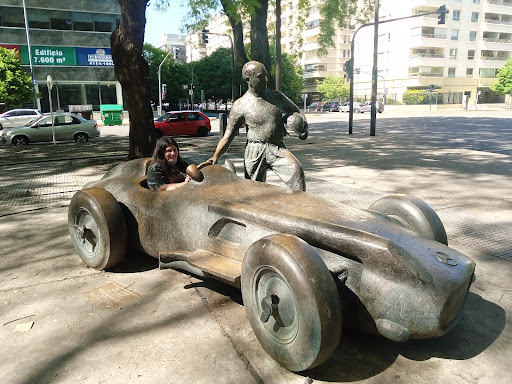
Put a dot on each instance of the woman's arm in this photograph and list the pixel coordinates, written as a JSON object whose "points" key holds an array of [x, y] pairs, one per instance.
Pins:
{"points": [[173, 186]]}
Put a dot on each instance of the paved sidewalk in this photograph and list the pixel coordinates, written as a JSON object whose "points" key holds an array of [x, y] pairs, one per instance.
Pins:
{"points": [[179, 329]]}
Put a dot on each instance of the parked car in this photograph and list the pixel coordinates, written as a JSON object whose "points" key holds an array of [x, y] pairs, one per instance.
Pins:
{"points": [[182, 123], [295, 256], [18, 117], [367, 107], [345, 107], [316, 107], [67, 126], [331, 106]]}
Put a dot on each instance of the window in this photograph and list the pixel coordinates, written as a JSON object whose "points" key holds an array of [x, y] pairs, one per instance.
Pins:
{"points": [[60, 20], [488, 72], [38, 18], [312, 24], [194, 117], [476, 1], [456, 16], [453, 53], [474, 17], [82, 21], [451, 72], [455, 34], [104, 23], [176, 117], [472, 35], [469, 72], [12, 17], [471, 54]]}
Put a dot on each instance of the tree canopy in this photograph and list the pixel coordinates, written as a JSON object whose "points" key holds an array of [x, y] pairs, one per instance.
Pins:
{"points": [[173, 74], [334, 87], [504, 84], [15, 83]]}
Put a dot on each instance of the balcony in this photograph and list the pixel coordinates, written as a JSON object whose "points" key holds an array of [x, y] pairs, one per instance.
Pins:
{"points": [[494, 42], [428, 56], [493, 58], [504, 3], [425, 74], [433, 36]]}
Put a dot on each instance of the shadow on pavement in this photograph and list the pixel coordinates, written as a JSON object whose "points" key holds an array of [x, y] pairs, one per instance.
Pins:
{"points": [[361, 357]]}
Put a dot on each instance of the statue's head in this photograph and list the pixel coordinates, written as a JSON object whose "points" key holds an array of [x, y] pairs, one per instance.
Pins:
{"points": [[256, 76]]}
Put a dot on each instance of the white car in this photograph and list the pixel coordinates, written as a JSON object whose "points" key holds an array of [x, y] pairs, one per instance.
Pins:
{"points": [[18, 117], [345, 107]]}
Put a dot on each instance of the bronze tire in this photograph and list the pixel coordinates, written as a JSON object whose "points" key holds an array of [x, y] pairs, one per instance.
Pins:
{"points": [[97, 228], [412, 213], [285, 274]]}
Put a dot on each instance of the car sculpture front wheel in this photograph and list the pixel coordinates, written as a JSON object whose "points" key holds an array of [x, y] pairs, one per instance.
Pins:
{"points": [[291, 301], [412, 213], [97, 228]]}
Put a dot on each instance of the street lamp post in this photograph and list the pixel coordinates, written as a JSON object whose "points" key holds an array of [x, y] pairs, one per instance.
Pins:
{"points": [[30, 57], [160, 84]]}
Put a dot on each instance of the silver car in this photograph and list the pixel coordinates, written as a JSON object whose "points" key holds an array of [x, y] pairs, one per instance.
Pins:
{"points": [[367, 107], [67, 126], [18, 117]]}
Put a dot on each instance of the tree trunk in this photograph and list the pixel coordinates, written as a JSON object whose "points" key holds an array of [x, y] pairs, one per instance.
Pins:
{"points": [[260, 50], [238, 43], [132, 71]]}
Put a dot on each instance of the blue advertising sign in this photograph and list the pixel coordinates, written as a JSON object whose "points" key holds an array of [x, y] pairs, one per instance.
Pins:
{"points": [[94, 57]]}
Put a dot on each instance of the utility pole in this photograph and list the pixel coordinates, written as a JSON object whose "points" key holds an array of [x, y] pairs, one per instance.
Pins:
{"points": [[373, 110], [160, 84]]}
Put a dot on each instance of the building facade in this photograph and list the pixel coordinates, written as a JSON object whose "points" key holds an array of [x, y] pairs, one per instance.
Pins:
{"points": [[70, 41], [175, 43], [459, 58]]}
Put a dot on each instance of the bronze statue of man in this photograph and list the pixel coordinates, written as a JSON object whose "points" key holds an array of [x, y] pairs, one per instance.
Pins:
{"points": [[263, 112]]}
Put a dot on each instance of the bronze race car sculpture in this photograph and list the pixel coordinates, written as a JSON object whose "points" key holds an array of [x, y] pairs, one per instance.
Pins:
{"points": [[302, 262]]}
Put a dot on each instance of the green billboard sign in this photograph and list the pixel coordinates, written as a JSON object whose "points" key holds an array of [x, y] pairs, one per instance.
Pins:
{"points": [[48, 55]]}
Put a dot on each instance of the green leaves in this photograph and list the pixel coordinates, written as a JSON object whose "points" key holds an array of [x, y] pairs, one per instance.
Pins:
{"points": [[504, 84], [334, 87], [15, 83]]}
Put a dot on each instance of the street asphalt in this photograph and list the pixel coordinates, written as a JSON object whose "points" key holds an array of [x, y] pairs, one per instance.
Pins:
{"points": [[61, 322]]}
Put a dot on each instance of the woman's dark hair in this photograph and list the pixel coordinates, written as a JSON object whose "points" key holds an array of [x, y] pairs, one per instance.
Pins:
{"points": [[159, 154]]}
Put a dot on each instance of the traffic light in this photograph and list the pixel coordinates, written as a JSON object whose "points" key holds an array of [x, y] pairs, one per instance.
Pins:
{"points": [[441, 17], [176, 53], [205, 36], [348, 67]]}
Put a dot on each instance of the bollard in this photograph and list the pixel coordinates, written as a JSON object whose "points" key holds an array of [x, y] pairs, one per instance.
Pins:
{"points": [[223, 121]]}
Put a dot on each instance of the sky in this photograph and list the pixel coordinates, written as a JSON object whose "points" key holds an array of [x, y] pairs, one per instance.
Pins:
{"points": [[158, 23]]}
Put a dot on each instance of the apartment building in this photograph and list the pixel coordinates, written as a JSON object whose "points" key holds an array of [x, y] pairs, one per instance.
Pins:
{"points": [[460, 58], [175, 43], [69, 40]]}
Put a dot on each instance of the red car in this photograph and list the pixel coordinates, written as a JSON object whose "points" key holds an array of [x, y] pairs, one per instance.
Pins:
{"points": [[178, 123]]}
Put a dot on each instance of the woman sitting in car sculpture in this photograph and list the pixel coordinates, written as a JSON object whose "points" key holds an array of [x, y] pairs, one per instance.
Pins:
{"points": [[167, 170]]}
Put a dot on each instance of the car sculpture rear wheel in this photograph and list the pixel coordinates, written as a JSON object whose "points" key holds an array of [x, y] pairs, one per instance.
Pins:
{"points": [[357, 110], [412, 213], [291, 301], [81, 138], [97, 228]]}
